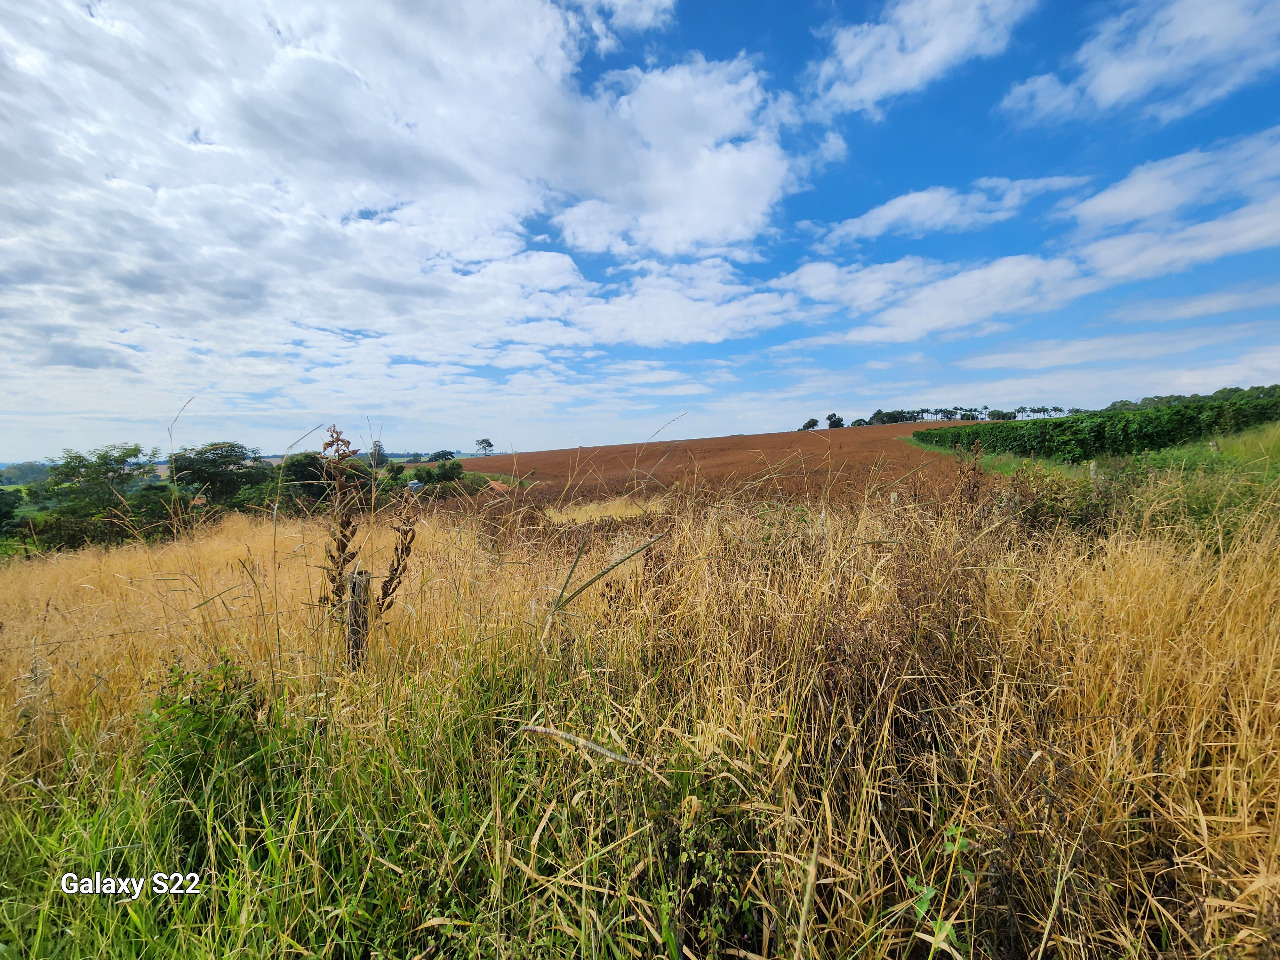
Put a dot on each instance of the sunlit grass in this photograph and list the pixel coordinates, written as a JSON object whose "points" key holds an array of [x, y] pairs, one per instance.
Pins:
{"points": [[942, 729]]}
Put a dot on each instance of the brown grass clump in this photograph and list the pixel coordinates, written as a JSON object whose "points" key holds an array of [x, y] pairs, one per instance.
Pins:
{"points": [[909, 726]]}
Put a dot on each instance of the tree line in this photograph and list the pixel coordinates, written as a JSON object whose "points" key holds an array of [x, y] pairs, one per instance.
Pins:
{"points": [[1121, 428], [835, 421], [116, 493]]}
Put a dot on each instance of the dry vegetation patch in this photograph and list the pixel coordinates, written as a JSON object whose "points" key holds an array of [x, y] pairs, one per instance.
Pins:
{"points": [[908, 725]]}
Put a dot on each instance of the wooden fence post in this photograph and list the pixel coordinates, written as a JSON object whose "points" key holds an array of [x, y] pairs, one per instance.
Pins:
{"points": [[358, 602]]}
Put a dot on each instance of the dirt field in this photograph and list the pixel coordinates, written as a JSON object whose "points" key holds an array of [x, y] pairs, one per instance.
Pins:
{"points": [[792, 460]]}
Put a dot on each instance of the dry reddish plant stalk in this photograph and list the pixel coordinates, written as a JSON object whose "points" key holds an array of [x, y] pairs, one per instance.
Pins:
{"points": [[343, 518], [405, 534]]}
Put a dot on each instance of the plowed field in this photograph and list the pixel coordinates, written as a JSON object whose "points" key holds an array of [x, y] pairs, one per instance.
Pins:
{"points": [[792, 461]]}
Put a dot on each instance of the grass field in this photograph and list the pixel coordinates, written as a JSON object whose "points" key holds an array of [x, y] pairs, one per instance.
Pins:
{"points": [[924, 720]]}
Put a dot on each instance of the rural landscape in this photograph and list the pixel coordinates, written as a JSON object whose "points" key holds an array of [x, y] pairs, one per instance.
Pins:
{"points": [[640, 480], [856, 694]]}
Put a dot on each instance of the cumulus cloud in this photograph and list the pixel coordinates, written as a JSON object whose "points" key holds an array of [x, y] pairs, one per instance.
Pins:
{"points": [[284, 204], [677, 159], [914, 43], [1172, 57]]}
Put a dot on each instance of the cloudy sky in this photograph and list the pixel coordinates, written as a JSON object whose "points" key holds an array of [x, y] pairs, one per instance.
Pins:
{"points": [[554, 223]]}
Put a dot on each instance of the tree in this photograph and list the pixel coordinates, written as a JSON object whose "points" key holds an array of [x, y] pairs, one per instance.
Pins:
{"points": [[440, 455], [415, 458], [24, 473], [10, 501], [810, 423], [303, 475], [834, 422], [220, 470], [97, 483], [377, 455], [448, 470], [484, 447]]}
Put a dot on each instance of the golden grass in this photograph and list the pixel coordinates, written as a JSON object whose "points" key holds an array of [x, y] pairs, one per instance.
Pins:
{"points": [[950, 733], [616, 508]]}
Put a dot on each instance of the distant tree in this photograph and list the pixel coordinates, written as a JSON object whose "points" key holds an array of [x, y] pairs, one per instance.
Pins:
{"points": [[994, 414], [447, 470], [415, 458], [10, 501], [440, 455], [810, 423], [303, 475], [484, 447], [395, 470], [377, 455], [834, 422], [97, 483], [24, 473], [860, 422], [220, 470]]}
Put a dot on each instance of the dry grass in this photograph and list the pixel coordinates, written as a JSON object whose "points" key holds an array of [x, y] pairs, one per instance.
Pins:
{"points": [[906, 727], [615, 508]]}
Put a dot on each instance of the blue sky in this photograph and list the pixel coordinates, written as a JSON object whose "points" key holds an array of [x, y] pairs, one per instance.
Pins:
{"points": [[567, 223]]}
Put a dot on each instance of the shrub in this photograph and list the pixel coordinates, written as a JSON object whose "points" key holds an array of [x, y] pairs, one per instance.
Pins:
{"points": [[1086, 436]]}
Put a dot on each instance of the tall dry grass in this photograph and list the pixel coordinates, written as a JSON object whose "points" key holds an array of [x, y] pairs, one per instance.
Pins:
{"points": [[906, 727]]}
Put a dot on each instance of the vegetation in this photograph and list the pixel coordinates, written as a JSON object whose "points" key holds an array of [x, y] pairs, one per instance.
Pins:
{"points": [[1119, 431], [113, 494], [971, 720], [219, 471], [18, 474]]}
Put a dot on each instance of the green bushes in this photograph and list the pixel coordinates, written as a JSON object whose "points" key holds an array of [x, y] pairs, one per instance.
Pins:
{"points": [[1086, 436]]}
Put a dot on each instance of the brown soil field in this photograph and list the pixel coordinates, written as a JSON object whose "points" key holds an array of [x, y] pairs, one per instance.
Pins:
{"points": [[792, 461]]}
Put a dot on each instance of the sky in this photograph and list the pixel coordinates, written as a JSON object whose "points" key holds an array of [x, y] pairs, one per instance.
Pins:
{"points": [[574, 222]]}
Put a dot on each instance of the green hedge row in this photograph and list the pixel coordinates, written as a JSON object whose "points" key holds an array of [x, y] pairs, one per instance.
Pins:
{"points": [[1085, 436]]}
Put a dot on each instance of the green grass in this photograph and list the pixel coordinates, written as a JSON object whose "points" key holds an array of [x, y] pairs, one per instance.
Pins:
{"points": [[853, 727], [1254, 453]]}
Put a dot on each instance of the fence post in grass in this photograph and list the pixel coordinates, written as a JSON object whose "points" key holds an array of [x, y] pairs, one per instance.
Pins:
{"points": [[358, 601]]}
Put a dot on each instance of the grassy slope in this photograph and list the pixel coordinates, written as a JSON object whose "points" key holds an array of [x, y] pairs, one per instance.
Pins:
{"points": [[856, 727]]}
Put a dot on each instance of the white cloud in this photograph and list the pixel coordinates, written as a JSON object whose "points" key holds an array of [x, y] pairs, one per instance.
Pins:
{"points": [[675, 160], [624, 15], [1157, 193], [859, 289], [1172, 56], [1134, 256], [275, 207], [939, 209], [704, 302], [1018, 284], [1208, 305], [914, 43], [1045, 354]]}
